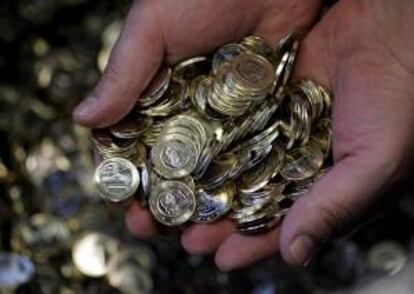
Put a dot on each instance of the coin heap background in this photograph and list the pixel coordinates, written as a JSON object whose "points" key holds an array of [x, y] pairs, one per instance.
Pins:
{"points": [[47, 63], [248, 139]]}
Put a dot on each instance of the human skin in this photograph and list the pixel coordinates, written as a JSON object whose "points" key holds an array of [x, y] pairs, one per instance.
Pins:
{"points": [[361, 51]]}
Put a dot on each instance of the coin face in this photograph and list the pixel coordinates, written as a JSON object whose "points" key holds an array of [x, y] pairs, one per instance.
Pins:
{"points": [[225, 54], [191, 68], [174, 157], [211, 205], [116, 179], [172, 203], [302, 163], [253, 70], [131, 278]]}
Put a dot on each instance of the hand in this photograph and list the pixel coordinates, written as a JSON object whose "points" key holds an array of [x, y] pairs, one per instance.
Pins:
{"points": [[363, 52], [360, 50], [156, 30]]}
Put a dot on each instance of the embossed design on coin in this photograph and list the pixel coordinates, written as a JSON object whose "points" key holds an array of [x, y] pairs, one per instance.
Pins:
{"points": [[116, 179], [212, 205], [174, 158], [253, 70], [302, 163], [172, 203]]}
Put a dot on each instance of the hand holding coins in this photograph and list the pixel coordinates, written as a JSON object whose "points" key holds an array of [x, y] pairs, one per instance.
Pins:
{"points": [[227, 134]]}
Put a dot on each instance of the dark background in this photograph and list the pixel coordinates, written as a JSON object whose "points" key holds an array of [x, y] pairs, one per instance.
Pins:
{"points": [[48, 62]]}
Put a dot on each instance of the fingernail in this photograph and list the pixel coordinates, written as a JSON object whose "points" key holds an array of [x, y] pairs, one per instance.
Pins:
{"points": [[302, 249], [85, 107]]}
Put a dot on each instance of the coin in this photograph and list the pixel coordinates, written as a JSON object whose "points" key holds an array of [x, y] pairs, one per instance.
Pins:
{"points": [[225, 54], [258, 177], [15, 270], [91, 253], [140, 255], [214, 204], [190, 68], [157, 88], [131, 279], [302, 163], [116, 179], [259, 46], [131, 127], [43, 234], [253, 71], [172, 203], [387, 257], [219, 171], [174, 156]]}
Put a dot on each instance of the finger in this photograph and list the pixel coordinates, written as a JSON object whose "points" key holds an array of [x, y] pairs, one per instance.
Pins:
{"points": [[286, 18], [333, 202], [241, 250], [132, 64], [140, 221], [206, 238]]}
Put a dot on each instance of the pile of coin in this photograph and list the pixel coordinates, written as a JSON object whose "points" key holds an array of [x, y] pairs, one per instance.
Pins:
{"points": [[214, 135]]}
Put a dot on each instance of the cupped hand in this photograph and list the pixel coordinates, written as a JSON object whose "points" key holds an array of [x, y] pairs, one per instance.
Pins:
{"points": [[360, 51], [157, 31]]}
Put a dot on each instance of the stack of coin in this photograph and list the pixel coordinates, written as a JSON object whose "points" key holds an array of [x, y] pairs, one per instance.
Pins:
{"points": [[178, 148], [245, 80], [109, 146], [230, 133]]}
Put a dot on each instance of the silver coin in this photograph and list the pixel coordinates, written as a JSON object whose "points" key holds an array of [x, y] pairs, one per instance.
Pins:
{"points": [[302, 163], [212, 205], [225, 54], [91, 253], [172, 203], [131, 278], [15, 270], [116, 179], [387, 257], [44, 235], [174, 156]]}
